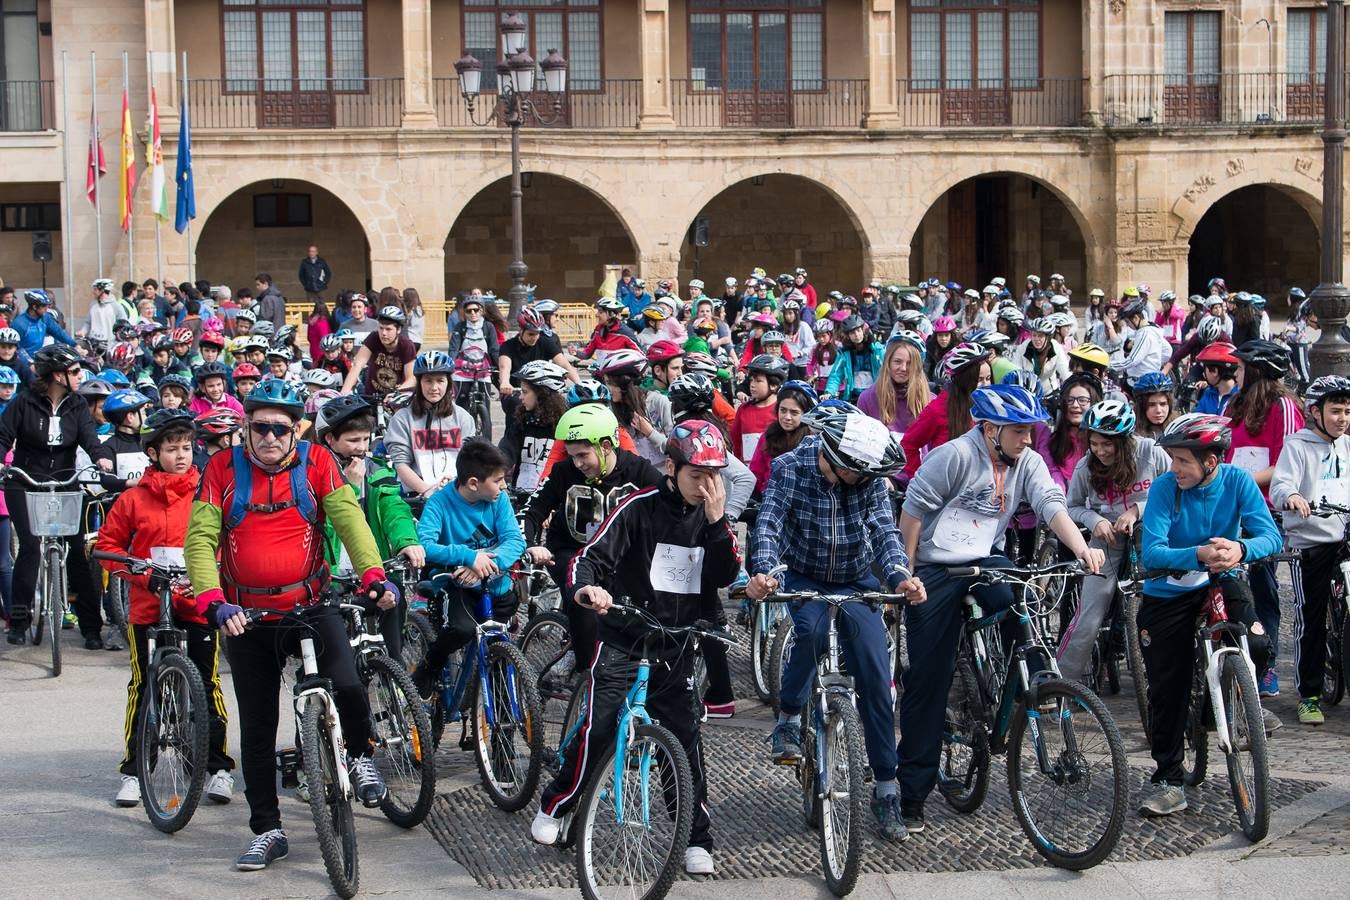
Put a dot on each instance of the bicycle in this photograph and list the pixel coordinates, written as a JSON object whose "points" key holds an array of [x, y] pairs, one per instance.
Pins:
{"points": [[472, 383], [505, 720], [173, 731], [1338, 611], [1131, 589], [998, 702], [765, 618], [784, 636], [53, 514]]}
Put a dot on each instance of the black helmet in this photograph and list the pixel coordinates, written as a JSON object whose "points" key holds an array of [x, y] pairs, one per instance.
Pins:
{"points": [[692, 390], [161, 420], [772, 367], [1267, 357], [54, 358], [338, 410], [854, 441], [211, 370], [852, 322]]}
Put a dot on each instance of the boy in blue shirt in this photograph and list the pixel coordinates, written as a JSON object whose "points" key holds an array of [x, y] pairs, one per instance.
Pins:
{"points": [[1202, 517], [469, 528]]}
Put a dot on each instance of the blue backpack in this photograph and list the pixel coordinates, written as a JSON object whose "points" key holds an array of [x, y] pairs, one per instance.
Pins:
{"points": [[302, 496]]}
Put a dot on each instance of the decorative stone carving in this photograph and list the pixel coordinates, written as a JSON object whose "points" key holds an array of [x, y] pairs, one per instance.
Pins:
{"points": [[1198, 187], [1117, 7], [1235, 166]]}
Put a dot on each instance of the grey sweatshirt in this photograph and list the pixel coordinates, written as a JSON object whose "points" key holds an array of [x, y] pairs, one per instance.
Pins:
{"points": [[959, 476], [1306, 464], [430, 446], [740, 484], [1087, 507]]}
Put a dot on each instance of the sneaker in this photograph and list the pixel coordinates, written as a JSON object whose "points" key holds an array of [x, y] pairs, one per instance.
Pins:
{"points": [[18, 636], [719, 710], [787, 742], [698, 861], [114, 639], [1270, 684], [886, 810], [129, 794], [1310, 711], [220, 788], [266, 848], [545, 829], [1162, 800], [1271, 722], [366, 780], [93, 642], [912, 815], [68, 621]]}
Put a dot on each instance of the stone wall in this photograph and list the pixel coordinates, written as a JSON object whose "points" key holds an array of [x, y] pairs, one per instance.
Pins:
{"points": [[17, 268]]}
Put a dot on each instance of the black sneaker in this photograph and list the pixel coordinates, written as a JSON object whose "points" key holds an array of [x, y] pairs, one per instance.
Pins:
{"points": [[912, 815], [266, 848], [366, 780], [886, 810], [92, 642], [787, 743], [18, 636]]}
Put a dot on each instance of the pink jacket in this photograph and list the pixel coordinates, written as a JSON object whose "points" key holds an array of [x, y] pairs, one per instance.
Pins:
{"points": [[318, 329], [201, 405], [1284, 419]]}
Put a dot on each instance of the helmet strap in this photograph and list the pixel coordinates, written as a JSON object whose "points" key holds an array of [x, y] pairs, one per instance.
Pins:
{"points": [[1003, 457]]}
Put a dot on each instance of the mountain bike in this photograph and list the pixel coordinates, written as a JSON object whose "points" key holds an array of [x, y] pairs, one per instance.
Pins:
{"points": [[1338, 648], [174, 728], [765, 618], [1067, 772], [1130, 587], [785, 635]]}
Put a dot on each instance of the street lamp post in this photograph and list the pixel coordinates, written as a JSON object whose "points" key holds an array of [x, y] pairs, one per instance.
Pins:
{"points": [[1331, 300], [515, 84]]}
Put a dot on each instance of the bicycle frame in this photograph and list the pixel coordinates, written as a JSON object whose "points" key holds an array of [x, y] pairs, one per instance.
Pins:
{"points": [[320, 688], [1215, 649], [485, 634], [631, 714], [830, 680]]}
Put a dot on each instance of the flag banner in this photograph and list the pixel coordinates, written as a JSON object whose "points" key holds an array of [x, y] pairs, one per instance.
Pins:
{"points": [[159, 188], [127, 170], [98, 166], [186, 206]]}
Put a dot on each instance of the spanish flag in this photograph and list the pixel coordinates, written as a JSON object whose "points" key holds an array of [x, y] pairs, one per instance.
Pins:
{"points": [[128, 168]]}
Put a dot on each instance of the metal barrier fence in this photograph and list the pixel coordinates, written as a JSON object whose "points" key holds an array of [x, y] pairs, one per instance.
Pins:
{"points": [[572, 324]]}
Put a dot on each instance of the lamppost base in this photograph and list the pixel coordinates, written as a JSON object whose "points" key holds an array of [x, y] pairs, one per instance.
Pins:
{"points": [[1331, 354]]}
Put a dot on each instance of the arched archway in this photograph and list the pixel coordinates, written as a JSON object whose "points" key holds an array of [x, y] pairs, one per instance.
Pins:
{"points": [[570, 234], [777, 222], [1258, 238], [1005, 224], [268, 226]]}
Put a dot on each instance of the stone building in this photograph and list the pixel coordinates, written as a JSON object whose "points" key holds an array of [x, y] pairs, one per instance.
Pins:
{"points": [[1112, 141]]}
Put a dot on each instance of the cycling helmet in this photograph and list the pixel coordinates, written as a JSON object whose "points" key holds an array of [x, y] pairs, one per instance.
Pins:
{"points": [[705, 325], [160, 421], [764, 319], [345, 334], [284, 334], [591, 422], [621, 363], [791, 305], [1059, 302], [1012, 314], [219, 422], [9, 376], [210, 370], [92, 389], [943, 324], [212, 339], [656, 312], [852, 323], [1198, 431], [1220, 352], [104, 285], [9, 336], [247, 315], [1328, 387], [276, 393], [588, 390], [1091, 354], [264, 329], [801, 392], [182, 336], [772, 367], [1110, 417], [1153, 383], [1043, 325], [547, 307], [320, 380], [148, 328], [994, 340], [1026, 379], [174, 379], [112, 376], [1060, 320], [1258, 302], [611, 305], [330, 342], [1210, 329], [280, 352], [433, 362], [663, 352], [912, 338], [123, 330], [1006, 404], [1135, 308], [824, 326], [246, 370], [163, 342], [318, 399], [530, 320], [123, 401], [1167, 296], [691, 391], [543, 374], [695, 442], [700, 362], [37, 298], [773, 337], [397, 399], [910, 316], [853, 441], [338, 409], [1267, 357], [1242, 298], [54, 358], [392, 314], [1297, 293], [959, 358]]}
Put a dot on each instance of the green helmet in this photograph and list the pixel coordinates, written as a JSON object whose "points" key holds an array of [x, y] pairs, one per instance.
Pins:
{"points": [[590, 422]]}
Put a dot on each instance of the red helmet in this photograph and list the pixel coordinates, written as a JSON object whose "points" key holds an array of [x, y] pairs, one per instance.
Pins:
{"points": [[219, 422], [123, 355], [213, 339], [663, 352], [1198, 431], [694, 442], [246, 370], [1218, 352], [182, 336], [530, 320]]}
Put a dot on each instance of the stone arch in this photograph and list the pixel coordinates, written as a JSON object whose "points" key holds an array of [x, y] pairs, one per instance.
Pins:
{"points": [[226, 179], [1304, 190], [1259, 237]]}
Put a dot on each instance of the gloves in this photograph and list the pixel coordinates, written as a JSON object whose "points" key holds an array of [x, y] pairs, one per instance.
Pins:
{"points": [[219, 611], [378, 588]]}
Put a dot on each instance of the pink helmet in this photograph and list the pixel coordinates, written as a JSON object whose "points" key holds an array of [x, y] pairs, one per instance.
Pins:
{"points": [[943, 324]]}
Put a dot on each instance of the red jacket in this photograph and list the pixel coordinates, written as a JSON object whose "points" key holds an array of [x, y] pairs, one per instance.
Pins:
{"points": [[152, 514], [928, 430]]}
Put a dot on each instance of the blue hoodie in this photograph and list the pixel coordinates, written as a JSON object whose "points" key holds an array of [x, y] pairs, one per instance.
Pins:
{"points": [[1177, 522], [453, 530]]}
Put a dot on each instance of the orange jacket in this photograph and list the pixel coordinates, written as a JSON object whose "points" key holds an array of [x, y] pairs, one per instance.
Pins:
{"points": [[152, 514]]}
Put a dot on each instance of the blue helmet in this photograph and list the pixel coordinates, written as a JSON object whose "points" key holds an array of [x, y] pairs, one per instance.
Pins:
{"points": [[589, 391], [803, 390], [433, 362], [115, 377], [277, 393], [1025, 378], [1154, 383], [123, 401], [8, 375], [1007, 404], [911, 338]]}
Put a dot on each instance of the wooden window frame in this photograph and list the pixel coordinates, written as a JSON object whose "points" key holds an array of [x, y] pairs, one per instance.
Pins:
{"points": [[1318, 27], [281, 199], [1006, 8], [328, 8], [499, 9], [5, 209], [1191, 16], [786, 7]]}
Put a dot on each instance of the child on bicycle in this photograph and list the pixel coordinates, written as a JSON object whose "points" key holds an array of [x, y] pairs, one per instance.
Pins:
{"points": [[1314, 466], [1203, 517], [151, 515], [424, 438], [683, 521], [828, 515], [469, 529]]}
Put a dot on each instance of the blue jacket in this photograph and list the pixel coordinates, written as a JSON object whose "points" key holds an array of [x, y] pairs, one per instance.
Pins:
{"points": [[840, 382], [33, 332], [1177, 523], [1210, 401], [453, 531]]}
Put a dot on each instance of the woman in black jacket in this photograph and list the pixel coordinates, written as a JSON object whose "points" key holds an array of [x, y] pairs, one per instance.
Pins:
{"points": [[44, 425]]}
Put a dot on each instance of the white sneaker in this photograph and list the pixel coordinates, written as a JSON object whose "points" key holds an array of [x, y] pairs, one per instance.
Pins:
{"points": [[130, 792], [220, 788], [545, 829], [698, 861]]}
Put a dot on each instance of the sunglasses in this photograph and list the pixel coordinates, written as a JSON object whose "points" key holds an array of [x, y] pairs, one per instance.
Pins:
{"points": [[276, 429]]}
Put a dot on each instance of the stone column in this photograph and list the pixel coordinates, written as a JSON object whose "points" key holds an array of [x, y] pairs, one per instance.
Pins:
{"points": [[1096, 19], [882, 69], [888, 265], [655, 56], [663, 263], [162, 57], [419, 109]]}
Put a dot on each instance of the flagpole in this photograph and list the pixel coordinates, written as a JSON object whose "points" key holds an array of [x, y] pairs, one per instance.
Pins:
{"points": [[192, 253], [150, 87], [98, 194], [68, 212], [130, 207]]}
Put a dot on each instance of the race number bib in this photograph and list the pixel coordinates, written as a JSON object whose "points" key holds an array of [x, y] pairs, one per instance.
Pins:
{"points": [[131, 465], [168, 556], [676, 569], [862, 380], [748, 444], [1252, 459], [1190, 581], [965, 533], [1334, 490]]}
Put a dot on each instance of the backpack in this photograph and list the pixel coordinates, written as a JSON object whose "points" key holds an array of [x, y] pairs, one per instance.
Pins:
{"points": [[302, 495]]}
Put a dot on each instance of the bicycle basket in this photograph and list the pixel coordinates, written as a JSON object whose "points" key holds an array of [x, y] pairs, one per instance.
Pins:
{"points": [[54, 513]]}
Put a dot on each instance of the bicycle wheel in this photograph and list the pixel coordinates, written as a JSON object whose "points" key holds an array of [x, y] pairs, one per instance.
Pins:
{"points": [[1335, 677], [630, 842], [328, 803], [568, 728], [1134, 656], [762, 627], [843, 796], [963, 771], [778, 657], [1195, 762], [37, 613], [418, 636], [510, 749], [1068, 778], [809, 776], [171, 742], [1248, 767], [545, 643], [403, 751], [56, 602]]}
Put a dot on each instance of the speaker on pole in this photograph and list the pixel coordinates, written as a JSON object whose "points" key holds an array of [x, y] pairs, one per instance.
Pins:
{"points": [[42, 246], [698, 233]]}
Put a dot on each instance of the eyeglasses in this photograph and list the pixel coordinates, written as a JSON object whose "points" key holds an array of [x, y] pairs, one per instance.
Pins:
{"points": [[1077, 401], [276, 429], [472, 309], [74, 370]]}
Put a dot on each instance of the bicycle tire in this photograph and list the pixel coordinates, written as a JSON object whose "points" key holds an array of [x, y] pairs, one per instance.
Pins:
{"points": [[843, 799], [1134, 656], [1073, 707], [761, 652], [499, 747], [576, 709], [403, 750], [171, 683], [418, 636], [964, 787], [809, 778], [1251, 795], [56, 603], [545, 642], [1195, 761], [1336, 672], [651, 745], [331, 809], [778, 656], [37, 613]]}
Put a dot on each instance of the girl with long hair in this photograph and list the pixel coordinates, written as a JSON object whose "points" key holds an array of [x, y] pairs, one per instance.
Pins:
{"points": [[1155, 404], [940, 341], [645, 415], [795, 399], [823, 354], [529, 429], [947, 416], [417, 317], [1043, 355], [901, 393], [423, 439], [320, 325], [1063, 445]]}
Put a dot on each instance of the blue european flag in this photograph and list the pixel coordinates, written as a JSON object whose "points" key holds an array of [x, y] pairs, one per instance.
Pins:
{"points": [[187, 198]]}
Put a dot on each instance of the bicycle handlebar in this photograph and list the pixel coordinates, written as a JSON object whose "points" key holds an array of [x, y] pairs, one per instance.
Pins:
{"points": [[74, 479], [139, 566], [1073, 567], [701, 628]]}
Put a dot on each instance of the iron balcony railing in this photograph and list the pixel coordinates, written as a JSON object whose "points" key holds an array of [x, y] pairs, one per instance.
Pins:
{"points": [[1198, 100], [27, 106], [817, 104], [309, 103], [614, 103], [996, 103]]}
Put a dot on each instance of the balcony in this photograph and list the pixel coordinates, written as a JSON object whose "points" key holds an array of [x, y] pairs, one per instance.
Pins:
{"points": [[306, 103], [615, 105], [815, 105], [27, 106], [1159, 101], [1002, 103]]}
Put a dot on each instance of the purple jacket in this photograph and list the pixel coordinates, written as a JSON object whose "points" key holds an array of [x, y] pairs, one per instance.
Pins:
{"points": [[867, 402]]}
